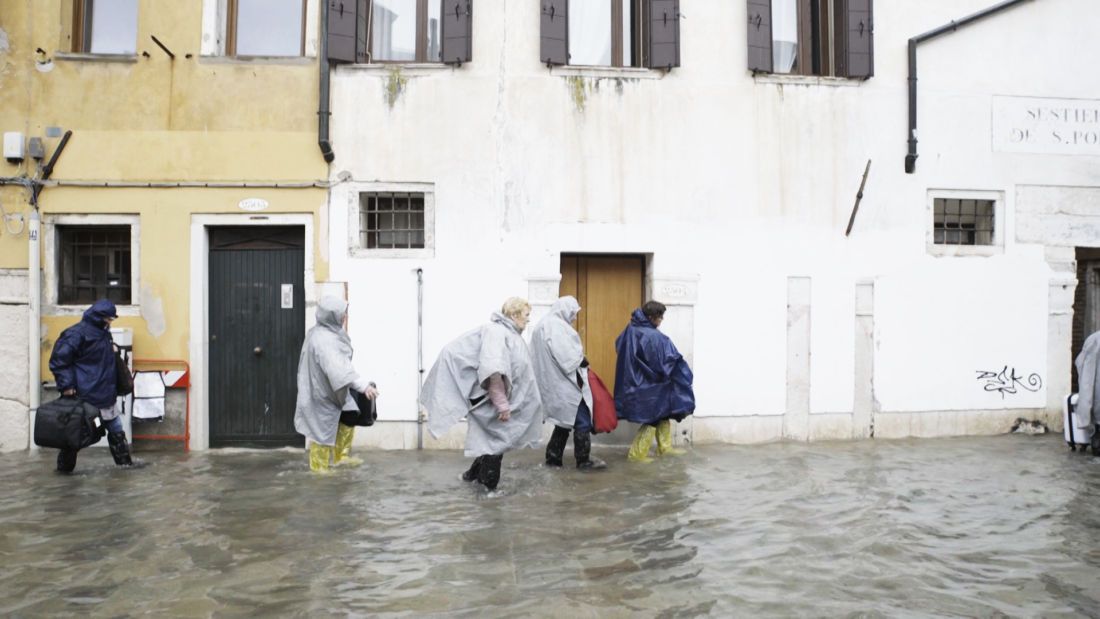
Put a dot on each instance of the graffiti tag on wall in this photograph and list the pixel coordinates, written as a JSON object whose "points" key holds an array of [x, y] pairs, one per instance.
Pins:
{"points": [[1007, 381]]}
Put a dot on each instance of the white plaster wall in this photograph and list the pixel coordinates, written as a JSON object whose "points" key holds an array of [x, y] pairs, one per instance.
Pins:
{"points": [[15, 379], [739, 182]]}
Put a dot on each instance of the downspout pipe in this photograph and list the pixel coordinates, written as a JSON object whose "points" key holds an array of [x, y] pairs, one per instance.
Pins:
{"points": [[323, 107], [911, 157], [34, 294]]}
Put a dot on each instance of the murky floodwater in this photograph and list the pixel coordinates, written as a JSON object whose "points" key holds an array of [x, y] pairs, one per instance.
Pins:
{"points": [[968, 526]]}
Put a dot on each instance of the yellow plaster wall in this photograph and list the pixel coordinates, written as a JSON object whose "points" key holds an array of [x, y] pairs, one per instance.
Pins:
{"points": [[151, 118]]}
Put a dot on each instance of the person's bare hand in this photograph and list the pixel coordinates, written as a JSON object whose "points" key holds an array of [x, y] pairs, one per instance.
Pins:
{"points": [[371, 393], [505, 416], [69, 392]]}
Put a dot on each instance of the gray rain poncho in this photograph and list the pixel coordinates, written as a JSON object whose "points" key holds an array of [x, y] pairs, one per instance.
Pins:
{"points": [[1088, 382], [557, 353], [324, 374], [457, 387]]}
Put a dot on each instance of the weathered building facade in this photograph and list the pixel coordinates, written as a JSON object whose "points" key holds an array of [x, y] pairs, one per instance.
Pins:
{"points": [[187, 185], [830, 271], [826, 276]]}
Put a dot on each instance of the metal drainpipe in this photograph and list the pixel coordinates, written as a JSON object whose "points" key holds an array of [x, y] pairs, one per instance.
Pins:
{"points": [[419, 356], [911, 158], [34, 337], [34, 293], [323, 95]]}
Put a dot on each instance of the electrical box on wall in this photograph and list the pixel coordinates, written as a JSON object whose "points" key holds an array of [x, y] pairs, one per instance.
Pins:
{"points": [[13, 146]]}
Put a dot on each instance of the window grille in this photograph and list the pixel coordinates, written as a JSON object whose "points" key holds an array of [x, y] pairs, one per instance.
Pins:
{"points": [[94, 263], [958, 221], [391, 220]]}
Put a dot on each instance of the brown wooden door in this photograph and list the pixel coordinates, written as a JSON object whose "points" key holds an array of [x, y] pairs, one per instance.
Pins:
{"points": [[608, 288]]}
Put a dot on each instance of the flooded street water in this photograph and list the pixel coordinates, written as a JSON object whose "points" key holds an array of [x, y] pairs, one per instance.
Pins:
{"points": [[965, 526]]}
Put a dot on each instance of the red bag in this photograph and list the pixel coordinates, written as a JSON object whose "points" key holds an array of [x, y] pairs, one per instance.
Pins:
{"points": [[604, 417]]}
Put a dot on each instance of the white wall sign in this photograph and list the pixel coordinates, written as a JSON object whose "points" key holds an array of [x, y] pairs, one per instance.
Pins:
{"points": [[288, 296], [253, 204], [1048, 126]]}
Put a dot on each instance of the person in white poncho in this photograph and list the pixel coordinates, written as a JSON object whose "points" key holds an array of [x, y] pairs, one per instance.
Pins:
{"points": [[1087, 412], [562, 373], [325, 376], [485, 375]]}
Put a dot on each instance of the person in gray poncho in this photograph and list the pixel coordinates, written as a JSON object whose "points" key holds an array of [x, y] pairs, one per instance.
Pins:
{"points": [[1087, 412], [562, 374], [485, 375], [325, 376]]}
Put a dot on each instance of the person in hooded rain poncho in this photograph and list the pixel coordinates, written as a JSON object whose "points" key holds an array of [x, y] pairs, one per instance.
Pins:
{"points": [[652, 382], [83, 364], [325, 378], [1087, 412], [485, 375], [561, 370]]}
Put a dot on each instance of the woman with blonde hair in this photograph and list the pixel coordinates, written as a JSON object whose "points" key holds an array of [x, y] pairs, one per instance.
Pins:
{"points": [[485, 375]]}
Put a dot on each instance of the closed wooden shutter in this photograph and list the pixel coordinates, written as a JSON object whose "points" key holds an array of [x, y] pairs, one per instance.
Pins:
{"points": [[663, 36], [361, 33], [457, 31], [760, 36], [554, 32], [342, 23], [858, 58]]}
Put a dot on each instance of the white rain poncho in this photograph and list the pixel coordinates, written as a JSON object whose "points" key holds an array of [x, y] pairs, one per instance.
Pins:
{"points": [[457, 386], [324, 374], [1088, 382], [557, 353]]}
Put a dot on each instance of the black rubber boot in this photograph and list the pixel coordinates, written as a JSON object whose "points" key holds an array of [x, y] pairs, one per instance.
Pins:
{"points": [[555, 449], [582, 448], [489, 474], [66, 460], [120, 451], [472, 472]]}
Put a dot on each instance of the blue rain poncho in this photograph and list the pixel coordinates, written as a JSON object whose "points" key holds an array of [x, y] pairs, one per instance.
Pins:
{"points": [[325, 374], [458, 386], [557, 353], [83, 357], [652, 380], [1088, 382]]}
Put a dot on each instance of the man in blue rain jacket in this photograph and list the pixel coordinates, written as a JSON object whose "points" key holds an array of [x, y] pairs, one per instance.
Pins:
{"points": [[652, 382], [83, 364]]}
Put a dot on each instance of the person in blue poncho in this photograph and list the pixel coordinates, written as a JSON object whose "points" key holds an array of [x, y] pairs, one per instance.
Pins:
{"points": [[652, 382], [83, 364]]}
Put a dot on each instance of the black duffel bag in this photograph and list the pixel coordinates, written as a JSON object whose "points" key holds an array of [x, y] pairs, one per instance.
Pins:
{"points": [[366, 414], [68, 423]]}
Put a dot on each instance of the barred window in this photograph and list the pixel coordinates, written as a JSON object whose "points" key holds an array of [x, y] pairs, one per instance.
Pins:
{"points": [[391, 220], [93, 263], [960, 221]]}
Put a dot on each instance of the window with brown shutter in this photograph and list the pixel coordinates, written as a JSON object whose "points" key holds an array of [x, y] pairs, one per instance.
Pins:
{"points": [[457, 18], [610, 33], [347, 30], [811, 37], [405, 30]]}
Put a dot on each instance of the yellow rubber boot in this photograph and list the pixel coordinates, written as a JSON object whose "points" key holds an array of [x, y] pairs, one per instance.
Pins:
{"points": [[342, 450], [664, 439], [639, 451], [319, 456]]}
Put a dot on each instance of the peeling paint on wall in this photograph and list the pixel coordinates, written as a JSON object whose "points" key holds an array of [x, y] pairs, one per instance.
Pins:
{"points": [[152, 310], [4, 44]]}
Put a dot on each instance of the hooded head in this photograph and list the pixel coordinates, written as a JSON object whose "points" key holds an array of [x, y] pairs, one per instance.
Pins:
{"points": [[331, 312], [100, 311], [567, 308]]}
